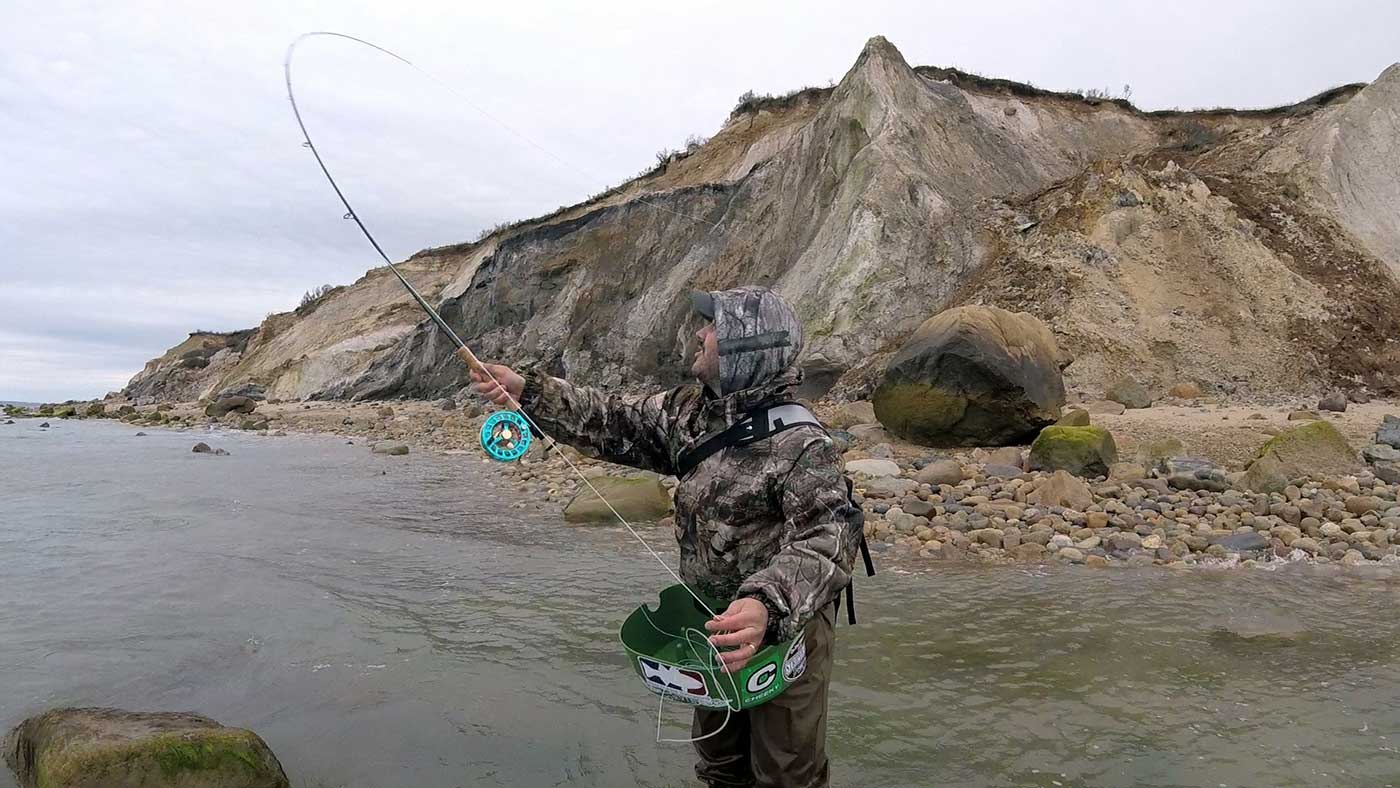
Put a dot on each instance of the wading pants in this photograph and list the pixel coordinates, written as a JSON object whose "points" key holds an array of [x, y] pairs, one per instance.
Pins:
{"points": [[782, 743]]}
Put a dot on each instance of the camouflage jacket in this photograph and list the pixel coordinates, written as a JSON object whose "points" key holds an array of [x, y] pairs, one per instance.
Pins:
{"points": [[771, 520]]}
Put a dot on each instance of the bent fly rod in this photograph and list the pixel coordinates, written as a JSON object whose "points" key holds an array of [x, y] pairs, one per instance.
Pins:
{"points": [[497, 431]]}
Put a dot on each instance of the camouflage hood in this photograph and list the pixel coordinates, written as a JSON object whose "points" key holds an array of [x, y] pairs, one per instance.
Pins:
{"points": [[759, 337]]}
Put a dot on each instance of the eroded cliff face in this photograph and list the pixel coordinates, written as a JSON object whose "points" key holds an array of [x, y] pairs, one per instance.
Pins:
{"points": [[1250, 251]]}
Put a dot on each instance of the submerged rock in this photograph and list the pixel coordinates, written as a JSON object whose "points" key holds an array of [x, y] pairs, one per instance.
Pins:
{"points": [[391, 448], [110, 748], [202, 448], [1259, 627]]}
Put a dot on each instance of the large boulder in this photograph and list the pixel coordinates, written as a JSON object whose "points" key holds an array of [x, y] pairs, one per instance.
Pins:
{"points": [[1389, 432], [642, 498], [110, 748], [1315, 450], [252, 391], [1129, 394], [1082, 451], [973, 376], [226, 405], [1336, 402], [853, 413]]}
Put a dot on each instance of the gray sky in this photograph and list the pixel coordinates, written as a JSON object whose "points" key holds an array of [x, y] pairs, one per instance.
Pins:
{"points": [[153, 182]]}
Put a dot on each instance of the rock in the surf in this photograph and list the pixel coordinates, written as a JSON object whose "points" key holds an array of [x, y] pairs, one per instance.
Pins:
{"points": [[111, 748], [640, 498], [391, 448], [201, 448]]}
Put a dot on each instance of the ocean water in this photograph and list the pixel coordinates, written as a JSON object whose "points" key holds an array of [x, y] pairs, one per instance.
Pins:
{"points": [[392, 621]]}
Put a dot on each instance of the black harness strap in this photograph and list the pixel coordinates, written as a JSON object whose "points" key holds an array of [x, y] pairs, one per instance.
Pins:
{"points": [[755, 426], [765, 423]]}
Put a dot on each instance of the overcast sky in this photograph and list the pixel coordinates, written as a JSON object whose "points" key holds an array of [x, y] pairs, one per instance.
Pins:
{"points": [[153, 182]]}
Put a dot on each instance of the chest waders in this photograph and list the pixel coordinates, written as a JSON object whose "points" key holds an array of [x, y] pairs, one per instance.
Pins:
{"points": [[669, 647]]}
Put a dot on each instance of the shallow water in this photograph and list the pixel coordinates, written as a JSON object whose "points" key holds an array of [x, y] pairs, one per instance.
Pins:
{"points": [[390, 621]]}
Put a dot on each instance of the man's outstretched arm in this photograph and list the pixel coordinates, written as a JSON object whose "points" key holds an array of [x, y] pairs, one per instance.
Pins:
{"points": [[613, 428]]}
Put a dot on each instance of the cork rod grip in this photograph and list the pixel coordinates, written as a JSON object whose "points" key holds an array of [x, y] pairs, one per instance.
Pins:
{"points": [[475, 364]]}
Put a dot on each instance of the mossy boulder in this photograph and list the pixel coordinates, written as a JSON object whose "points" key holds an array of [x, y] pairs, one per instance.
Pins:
{"points": [[1316, 450], [110, 748], [96, 409], [640, 498], [972, 376], [64, 411], [1082, 451]]}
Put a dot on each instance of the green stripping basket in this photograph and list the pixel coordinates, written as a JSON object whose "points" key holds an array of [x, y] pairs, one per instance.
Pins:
{"points": [[669, 650]]}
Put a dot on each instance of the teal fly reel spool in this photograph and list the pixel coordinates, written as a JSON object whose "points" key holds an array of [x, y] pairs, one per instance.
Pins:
{"points": [[668, 648], [505, 436]]}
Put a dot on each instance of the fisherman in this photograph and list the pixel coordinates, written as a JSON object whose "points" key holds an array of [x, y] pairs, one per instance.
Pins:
{"points": [[769, 525]]}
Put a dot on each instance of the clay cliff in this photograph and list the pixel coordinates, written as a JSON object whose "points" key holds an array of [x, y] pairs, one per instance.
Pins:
{"points": [[1254, 252]]}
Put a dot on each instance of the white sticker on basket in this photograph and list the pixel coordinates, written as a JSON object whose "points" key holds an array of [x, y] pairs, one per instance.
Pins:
{"points": [[763, 678], [795, 663]]}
